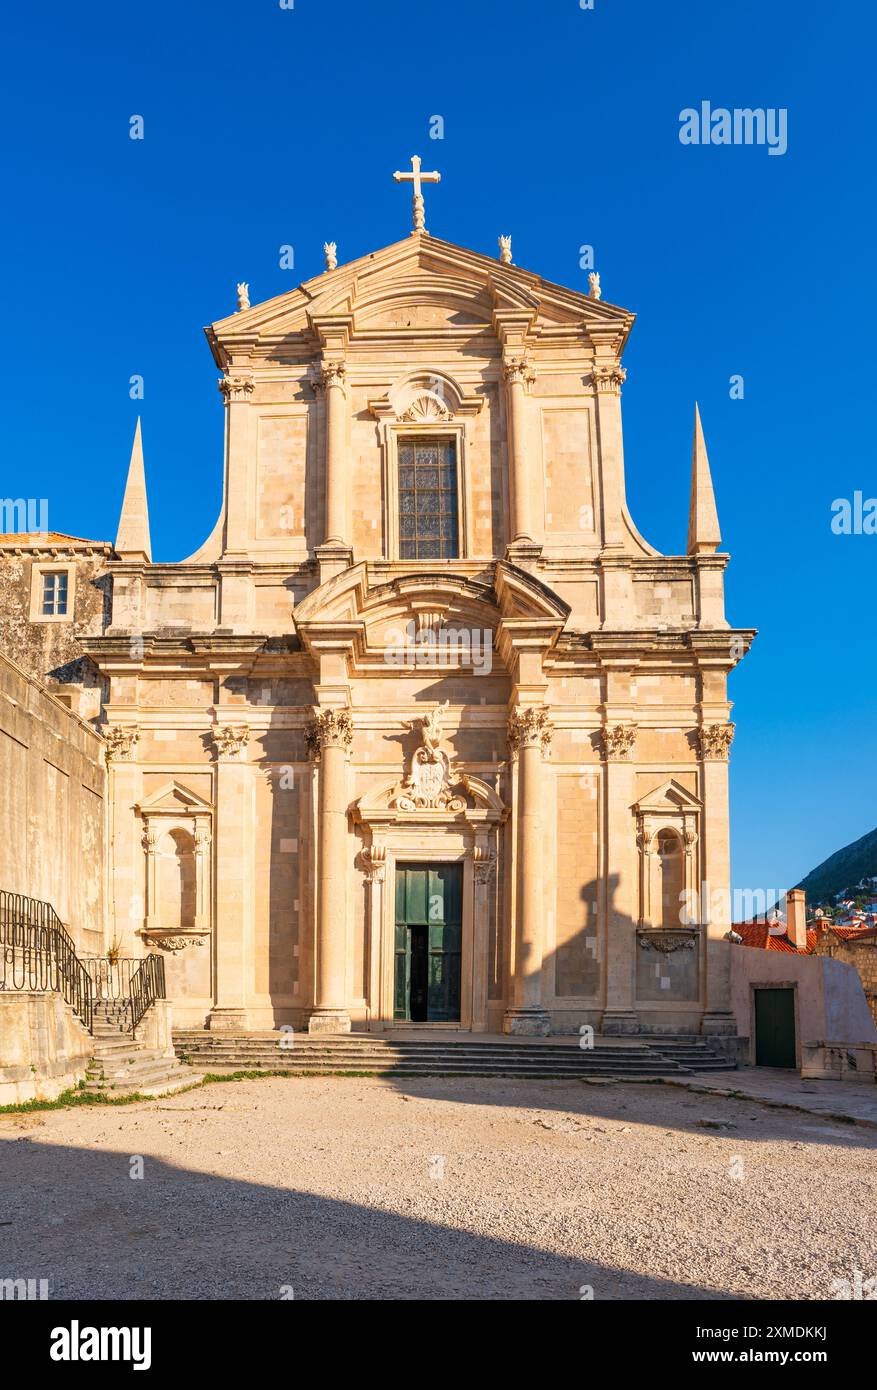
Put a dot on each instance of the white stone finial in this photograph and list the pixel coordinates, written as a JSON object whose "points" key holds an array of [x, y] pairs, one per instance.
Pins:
{"points": [[243, 296], [505, 250], [330, 251], [417, 177], [594, 281]]}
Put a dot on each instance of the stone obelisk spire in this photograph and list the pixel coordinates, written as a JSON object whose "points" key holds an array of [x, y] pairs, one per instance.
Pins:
{"points": [[132, 541], [704, 536]]}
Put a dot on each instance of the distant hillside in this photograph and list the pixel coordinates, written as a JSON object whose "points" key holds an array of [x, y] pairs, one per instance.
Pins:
{"points": [[843, 869]]}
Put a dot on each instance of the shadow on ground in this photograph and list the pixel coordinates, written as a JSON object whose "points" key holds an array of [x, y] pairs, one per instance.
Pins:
{"points": [[78, 1219]]}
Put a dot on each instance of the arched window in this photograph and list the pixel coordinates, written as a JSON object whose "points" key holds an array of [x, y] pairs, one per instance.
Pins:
{"points": [[671, 877]]}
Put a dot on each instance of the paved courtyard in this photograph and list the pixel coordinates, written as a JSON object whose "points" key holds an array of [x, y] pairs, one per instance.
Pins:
{"points": [[376, 1189]]}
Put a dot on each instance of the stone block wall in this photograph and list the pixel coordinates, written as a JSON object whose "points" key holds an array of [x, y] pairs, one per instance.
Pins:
{"points": [[52, 806]]}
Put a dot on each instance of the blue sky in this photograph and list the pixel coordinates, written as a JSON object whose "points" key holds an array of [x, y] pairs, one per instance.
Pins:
{"points": [[267, 126]]}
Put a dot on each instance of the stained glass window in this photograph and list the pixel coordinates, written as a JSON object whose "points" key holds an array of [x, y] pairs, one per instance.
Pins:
{"points": [[428, 516]]}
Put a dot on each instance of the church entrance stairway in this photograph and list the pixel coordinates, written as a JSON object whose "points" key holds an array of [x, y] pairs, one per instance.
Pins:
{"points": [[635, 1059]]}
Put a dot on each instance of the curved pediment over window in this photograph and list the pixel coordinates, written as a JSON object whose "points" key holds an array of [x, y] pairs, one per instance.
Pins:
{"points": [[448, 797], [425, 397]]}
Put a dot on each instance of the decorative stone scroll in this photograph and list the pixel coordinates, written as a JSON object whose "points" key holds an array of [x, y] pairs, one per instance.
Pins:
{"points": [[530, 726], [330, 728], [715, 741], [619, 741], [121, 743], [668, 940], [230, 740], [176, 943], [374, 863]]}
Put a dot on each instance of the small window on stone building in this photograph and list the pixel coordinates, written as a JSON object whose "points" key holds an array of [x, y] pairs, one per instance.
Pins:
{"points": [[429, 527], [54, 594]]}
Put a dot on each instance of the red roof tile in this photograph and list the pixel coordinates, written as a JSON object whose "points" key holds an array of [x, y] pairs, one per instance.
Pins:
{"points": [[43, 538], [759, 935]]}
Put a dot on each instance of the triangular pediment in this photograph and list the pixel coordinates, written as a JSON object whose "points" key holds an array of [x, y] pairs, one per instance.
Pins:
{"points": [[421, 283], [172, 797], [669, 796]]}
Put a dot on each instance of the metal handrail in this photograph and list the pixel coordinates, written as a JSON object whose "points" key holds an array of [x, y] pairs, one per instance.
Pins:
{"points": [[147, 985], [37, 952]]}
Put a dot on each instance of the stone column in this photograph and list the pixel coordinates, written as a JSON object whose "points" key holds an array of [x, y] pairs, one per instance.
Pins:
{"points": [[330, 737], [530, 735], [337, 480], [126, 877], [236, 391], [202, 876], [374, 863], [608, 377], [234, 846], [621, 856], [518, 373], [484, 868], [150, 845], [715, 908]]}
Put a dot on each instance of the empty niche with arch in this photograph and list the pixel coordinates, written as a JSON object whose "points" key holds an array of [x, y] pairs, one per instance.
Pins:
{"points": [[668, 936], [671, 878], [177, 844], [176, 880]]}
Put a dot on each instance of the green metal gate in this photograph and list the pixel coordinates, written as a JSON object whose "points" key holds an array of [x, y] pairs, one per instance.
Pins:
{"points": [[429, 926], [775, 1028]]}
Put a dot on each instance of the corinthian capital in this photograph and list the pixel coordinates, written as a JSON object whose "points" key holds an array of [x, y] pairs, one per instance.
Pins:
{"points": [[715, 741], [235, 388], [608, 378], [530, 727], [331, 728], [231, 741], [518, 371], [619, 741], [121, 744], [332, 374]]}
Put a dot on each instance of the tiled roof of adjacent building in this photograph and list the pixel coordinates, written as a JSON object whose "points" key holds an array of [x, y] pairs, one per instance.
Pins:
{"points": [[45, 538], [764, 938], [760, 935]]}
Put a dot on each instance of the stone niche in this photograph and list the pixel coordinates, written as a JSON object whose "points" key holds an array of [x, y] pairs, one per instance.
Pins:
{"points": [[668, 943], [177, 844]]}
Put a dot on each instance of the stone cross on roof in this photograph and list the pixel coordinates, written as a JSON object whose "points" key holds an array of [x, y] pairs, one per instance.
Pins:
{"points": [[417, 178]]}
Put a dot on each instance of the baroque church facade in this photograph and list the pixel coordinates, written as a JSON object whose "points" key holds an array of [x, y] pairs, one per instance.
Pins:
{"points": [[425, 734]]}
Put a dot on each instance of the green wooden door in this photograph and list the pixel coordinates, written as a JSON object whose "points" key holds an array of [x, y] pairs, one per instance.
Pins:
{"points": [[429, 918], [775, 1028]]}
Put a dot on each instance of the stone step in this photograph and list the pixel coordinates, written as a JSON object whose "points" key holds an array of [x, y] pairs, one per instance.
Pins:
{"points": [[438, 1064], [285, 1040], [383, 1059], [119, 1068], [164, 1081]]}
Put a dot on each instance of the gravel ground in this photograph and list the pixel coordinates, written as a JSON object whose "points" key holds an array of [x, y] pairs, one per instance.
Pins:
{"points": [[474, 1189]]}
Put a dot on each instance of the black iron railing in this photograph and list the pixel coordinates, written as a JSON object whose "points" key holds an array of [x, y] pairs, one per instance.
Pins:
{"points": [[111, 975], [36, 952], [147, 985]]}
